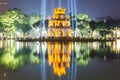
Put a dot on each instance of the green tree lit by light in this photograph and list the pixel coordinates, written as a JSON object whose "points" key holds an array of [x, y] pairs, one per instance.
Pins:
{"points": [[33, 19], [10, 18], [1, 27], [82, 22], [14, 20]]}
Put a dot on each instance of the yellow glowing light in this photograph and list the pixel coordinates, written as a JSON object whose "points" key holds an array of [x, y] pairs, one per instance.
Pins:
{"points": [[118, 45], [59, 57]]}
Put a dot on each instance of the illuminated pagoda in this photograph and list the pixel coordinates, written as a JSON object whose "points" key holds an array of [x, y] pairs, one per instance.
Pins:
{"points": [[59, 24]]}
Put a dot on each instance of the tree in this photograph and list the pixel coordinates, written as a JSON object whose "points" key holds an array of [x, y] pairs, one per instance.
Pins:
{"points": [[33, 19], [1, 27], [12, 18], [82, 22], [23, 28]]}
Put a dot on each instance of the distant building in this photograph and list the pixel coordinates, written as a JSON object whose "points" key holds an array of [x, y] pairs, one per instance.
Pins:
{"points": [[103, 18], [3, 6]]}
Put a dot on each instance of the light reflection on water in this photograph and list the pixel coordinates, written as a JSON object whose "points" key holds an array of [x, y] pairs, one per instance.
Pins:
{"points": [[62, 59], [59, 56]]}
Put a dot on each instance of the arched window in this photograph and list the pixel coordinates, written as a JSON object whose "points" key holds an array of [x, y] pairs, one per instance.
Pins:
{"points": [[61, 24], [53, 24]]}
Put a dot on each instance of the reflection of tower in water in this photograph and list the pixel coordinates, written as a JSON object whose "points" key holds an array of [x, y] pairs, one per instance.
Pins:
{"points": [[59, 56]]}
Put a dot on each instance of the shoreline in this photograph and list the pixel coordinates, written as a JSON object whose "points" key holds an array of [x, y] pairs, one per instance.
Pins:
{"points": [[66, 39], [63, 39]]}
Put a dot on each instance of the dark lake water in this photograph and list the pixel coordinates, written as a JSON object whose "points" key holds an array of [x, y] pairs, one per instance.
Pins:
{"points": [[59, 60]]}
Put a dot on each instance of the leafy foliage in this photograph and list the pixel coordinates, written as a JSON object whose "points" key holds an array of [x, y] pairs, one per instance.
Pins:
{"points": [[33, 19], [82, 22], [14, 20]]}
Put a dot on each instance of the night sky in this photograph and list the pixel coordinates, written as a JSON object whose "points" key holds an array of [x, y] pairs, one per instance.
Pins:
{"points": [[95, 8]]}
